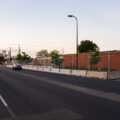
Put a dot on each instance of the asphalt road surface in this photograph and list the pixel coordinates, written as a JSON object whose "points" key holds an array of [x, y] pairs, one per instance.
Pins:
{"points": [[32, 95]]}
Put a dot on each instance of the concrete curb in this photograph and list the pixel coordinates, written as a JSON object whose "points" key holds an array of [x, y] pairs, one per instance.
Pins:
{"points": [[95, 74]]}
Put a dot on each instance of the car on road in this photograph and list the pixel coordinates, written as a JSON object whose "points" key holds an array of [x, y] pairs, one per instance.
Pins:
{"points": [[17, 67]]}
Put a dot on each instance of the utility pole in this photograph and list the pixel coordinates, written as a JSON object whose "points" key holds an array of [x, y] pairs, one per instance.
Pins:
{"points": [[76, 39], [10, 53], [19, 49], [62, 51], [108, 65]]}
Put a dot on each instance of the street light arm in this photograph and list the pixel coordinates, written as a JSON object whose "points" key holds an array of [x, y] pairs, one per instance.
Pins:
{"points": [[73, 16]]}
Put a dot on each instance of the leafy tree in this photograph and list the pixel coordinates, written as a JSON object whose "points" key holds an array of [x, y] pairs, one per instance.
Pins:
{"points": [[19, 57], [56, 57], [54, 54], [87, 46], [26, 57], [23, 57], [95, 59], [42, 53]]}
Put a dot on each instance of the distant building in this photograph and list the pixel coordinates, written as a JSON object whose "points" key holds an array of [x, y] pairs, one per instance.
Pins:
{"points": [[9, 54], [43, 60], [4, 54]]}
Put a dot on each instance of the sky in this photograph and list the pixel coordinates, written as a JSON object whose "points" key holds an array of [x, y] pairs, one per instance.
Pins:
{"points": [[43, 24]]}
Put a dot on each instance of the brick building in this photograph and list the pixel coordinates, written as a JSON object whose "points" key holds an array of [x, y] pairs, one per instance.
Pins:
{"points": [[108, 58]]}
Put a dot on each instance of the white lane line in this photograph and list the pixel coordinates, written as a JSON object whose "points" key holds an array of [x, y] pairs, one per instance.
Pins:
{"points": [[3, 101], [6, 106], [11, 112]]}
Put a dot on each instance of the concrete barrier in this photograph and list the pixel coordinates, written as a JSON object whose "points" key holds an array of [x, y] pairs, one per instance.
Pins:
{"points": [[24, 66], [79, 73], [34, 67], [65, 71], [40, 68], [47, 69], [84, 73], [114, 75], [101, 75], [28, 67], [55, 70], [10, 66]]}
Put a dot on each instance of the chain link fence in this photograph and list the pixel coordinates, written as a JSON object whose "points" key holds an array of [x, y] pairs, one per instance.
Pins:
{"points": [[101, 63], [107, 62]]}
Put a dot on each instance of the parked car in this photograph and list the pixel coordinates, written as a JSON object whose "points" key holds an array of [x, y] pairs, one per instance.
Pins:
{"points": [[17, 67]]}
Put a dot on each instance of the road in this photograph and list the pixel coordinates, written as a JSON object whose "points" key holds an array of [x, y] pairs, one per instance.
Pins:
{"points": [[46, 96]]}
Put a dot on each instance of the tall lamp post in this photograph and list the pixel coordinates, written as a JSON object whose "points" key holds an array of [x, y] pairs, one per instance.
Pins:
{"points": [[76, 39]]}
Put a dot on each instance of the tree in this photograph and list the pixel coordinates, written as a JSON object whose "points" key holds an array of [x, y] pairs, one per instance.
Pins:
{"points": [[19, 57], [87, 46], [95, 59], [42, 53], [55, 55], [23, 57]]}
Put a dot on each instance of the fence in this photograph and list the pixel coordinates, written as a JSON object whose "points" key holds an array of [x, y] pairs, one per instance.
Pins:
{"points": [[87, 63], [105, 62], [105, 66]]}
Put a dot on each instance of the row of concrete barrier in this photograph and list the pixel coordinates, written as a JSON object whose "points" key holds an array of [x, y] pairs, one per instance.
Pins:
{"points": [[84, 73]]}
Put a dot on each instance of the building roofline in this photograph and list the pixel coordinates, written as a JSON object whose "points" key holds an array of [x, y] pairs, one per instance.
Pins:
{"points": [[91, 52]]}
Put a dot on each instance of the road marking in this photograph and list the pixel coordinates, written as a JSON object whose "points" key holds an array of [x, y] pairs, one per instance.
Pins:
{"points": [[3, 101], [6, 106]]}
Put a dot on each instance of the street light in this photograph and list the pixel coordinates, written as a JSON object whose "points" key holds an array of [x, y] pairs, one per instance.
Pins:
{"points": [[76, 39]]}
